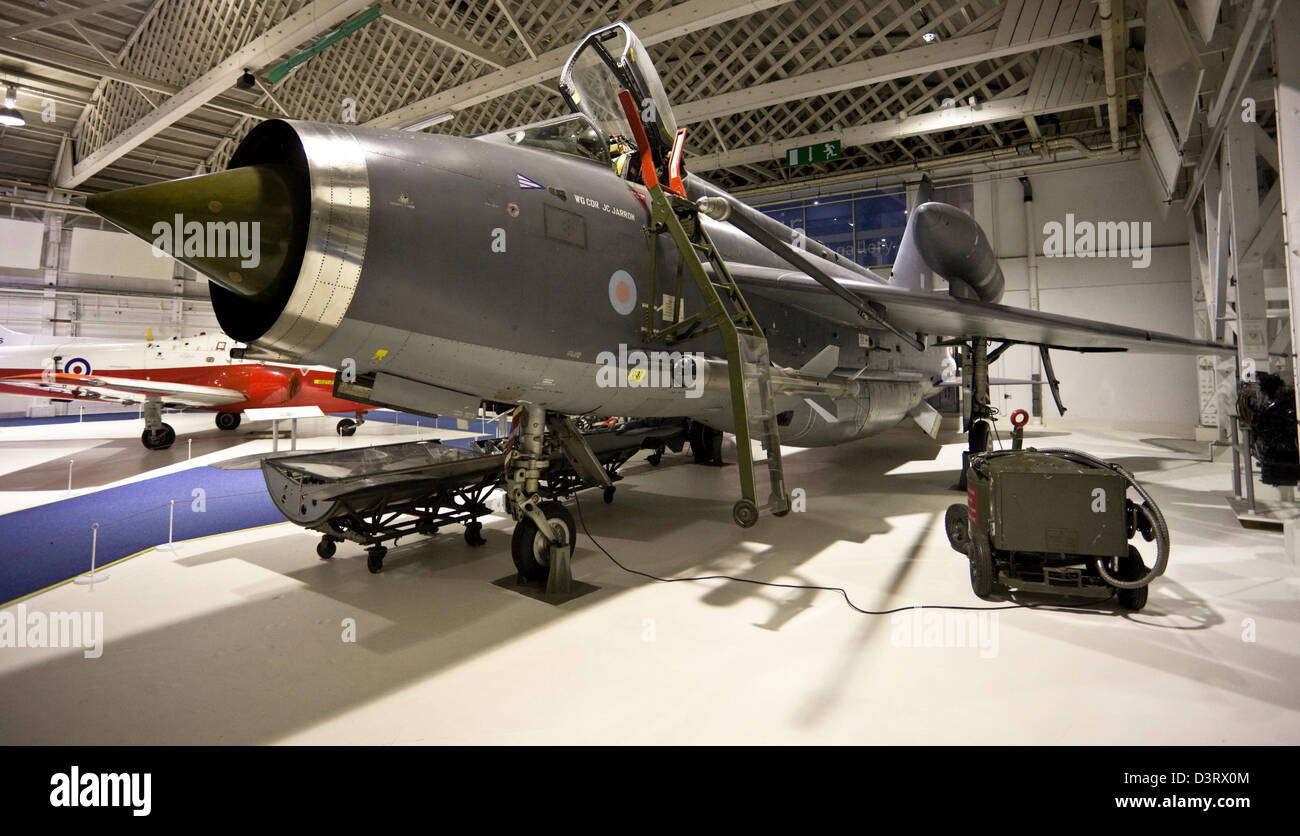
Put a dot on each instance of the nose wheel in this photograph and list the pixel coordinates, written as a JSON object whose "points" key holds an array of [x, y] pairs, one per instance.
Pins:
{"points": [[375, 559], [532, 551]]}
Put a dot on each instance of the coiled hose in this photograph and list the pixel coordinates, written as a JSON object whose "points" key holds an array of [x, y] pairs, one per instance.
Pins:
{"points": [[1148, 508]]}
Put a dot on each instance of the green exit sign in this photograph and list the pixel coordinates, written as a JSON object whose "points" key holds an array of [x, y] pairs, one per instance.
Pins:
{"points": [[819, 153]]}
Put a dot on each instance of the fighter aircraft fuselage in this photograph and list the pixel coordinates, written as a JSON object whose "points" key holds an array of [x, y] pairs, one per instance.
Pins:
{"points": [[492, 270]]}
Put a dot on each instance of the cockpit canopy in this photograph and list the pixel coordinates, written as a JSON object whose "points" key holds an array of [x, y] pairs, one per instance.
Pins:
{"points": [[607, 61]]}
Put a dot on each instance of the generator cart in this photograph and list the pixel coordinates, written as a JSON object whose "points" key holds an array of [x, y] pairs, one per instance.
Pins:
{"points": [[1056, 521]]}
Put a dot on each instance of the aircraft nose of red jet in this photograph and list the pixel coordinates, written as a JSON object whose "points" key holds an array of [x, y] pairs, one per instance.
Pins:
{"points": [[244, 229]]}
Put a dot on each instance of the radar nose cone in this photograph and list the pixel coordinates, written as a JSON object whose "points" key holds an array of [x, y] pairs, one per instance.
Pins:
{"points": [[244, 229]]}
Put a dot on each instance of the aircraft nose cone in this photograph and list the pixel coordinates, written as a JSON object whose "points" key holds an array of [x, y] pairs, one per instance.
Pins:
{"points": [[244, 229]]}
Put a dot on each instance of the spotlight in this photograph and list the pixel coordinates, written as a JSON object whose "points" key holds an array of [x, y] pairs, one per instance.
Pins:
{"points": [[930, 37], [9, 115], [246, 81]]}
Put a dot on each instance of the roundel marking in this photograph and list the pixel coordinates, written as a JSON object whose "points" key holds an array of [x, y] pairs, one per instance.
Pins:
{"points": [[622, 292], [77, 365]]}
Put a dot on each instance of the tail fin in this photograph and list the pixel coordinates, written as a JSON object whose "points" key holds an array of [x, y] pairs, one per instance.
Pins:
{"points": [[910, 269], [940, 238], [11, 338]]}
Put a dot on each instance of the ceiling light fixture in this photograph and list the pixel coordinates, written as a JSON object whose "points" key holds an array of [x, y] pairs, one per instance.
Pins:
{"points": [[9, 115]]}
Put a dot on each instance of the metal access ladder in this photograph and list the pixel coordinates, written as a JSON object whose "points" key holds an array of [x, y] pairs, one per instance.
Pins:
{"points": [[753, 405]]}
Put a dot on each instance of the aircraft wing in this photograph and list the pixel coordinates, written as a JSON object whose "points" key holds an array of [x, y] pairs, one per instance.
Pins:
{"points": [[122, 389], [948, 316]]}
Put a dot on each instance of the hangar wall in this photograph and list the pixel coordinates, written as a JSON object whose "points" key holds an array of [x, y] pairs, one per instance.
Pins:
{"points": [[1134, 391], [105, 284]]}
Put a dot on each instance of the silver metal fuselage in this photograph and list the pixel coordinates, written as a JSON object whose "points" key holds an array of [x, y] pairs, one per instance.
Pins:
{"points": [[507, 273]]}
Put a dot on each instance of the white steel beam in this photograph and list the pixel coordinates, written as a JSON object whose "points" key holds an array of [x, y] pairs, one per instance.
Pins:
{"points": [[1286, 31], [670, 23], [1241, 189], [902, 64], [308, 21], [15, 31], [1017, 107]]}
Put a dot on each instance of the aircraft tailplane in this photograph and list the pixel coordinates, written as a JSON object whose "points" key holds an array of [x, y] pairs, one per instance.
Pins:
{"points": [[9, 337]]}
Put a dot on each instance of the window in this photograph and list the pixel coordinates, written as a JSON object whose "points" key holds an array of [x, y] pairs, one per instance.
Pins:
{"points": [[879, 219], [865, 226]]}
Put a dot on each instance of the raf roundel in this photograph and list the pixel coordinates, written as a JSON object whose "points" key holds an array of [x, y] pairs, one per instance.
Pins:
{"points": [[77, 365], [622, 292]]}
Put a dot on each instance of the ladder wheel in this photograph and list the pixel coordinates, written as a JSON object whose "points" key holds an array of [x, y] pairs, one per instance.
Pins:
{"points": [[745, 513]]}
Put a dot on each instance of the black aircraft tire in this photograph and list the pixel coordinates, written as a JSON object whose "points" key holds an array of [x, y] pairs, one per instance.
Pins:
{"points": [[695, 435], [1132, 568], [375, 559], [956, 524], [474, 533], [981, 565], [228, 420], [346, 427], [326, 548], [528, 546], [713, 444], [159, 439], [979, 438]]}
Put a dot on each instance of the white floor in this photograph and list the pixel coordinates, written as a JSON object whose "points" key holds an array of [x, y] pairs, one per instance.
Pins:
{"points": [[239, 638]]}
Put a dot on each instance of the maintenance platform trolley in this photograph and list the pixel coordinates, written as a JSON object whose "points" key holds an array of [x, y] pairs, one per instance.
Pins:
{"points": [[1056, 521], [371, 495]]}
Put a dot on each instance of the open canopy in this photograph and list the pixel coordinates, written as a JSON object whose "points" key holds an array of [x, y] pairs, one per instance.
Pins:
{"points": [[612, 59]]}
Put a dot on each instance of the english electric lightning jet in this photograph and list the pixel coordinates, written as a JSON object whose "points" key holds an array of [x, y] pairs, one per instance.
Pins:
{"points": [[181, 373], [514, 268]]}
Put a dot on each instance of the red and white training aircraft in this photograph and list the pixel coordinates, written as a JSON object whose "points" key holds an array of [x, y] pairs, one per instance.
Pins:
{"points": [[180, 373]]}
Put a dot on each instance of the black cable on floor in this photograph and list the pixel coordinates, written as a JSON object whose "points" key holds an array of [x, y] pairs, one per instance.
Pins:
{"points": [[1012, 606]]}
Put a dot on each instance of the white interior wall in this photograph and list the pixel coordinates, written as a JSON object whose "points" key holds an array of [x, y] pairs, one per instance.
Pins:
{"points": [[1135, 391], [109, 286]]}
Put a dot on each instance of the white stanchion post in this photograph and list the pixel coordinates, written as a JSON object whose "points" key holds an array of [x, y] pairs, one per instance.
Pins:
{"points": [[70, 461], [170, 545], [189, 448], [92, 577]]}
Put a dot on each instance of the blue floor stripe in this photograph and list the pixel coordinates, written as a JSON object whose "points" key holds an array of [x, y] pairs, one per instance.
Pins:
{"points": [[384, 416], [51, 543]]}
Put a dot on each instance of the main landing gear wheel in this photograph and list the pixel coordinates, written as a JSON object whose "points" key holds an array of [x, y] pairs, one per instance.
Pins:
{"points": [[375, 559], [326, 548], [956, 524], [158, 439], [745, 513], [529, 547], [706, 444], [1131, 568], [983, 575], [474, 533], [346, 427], [227, 420]]}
